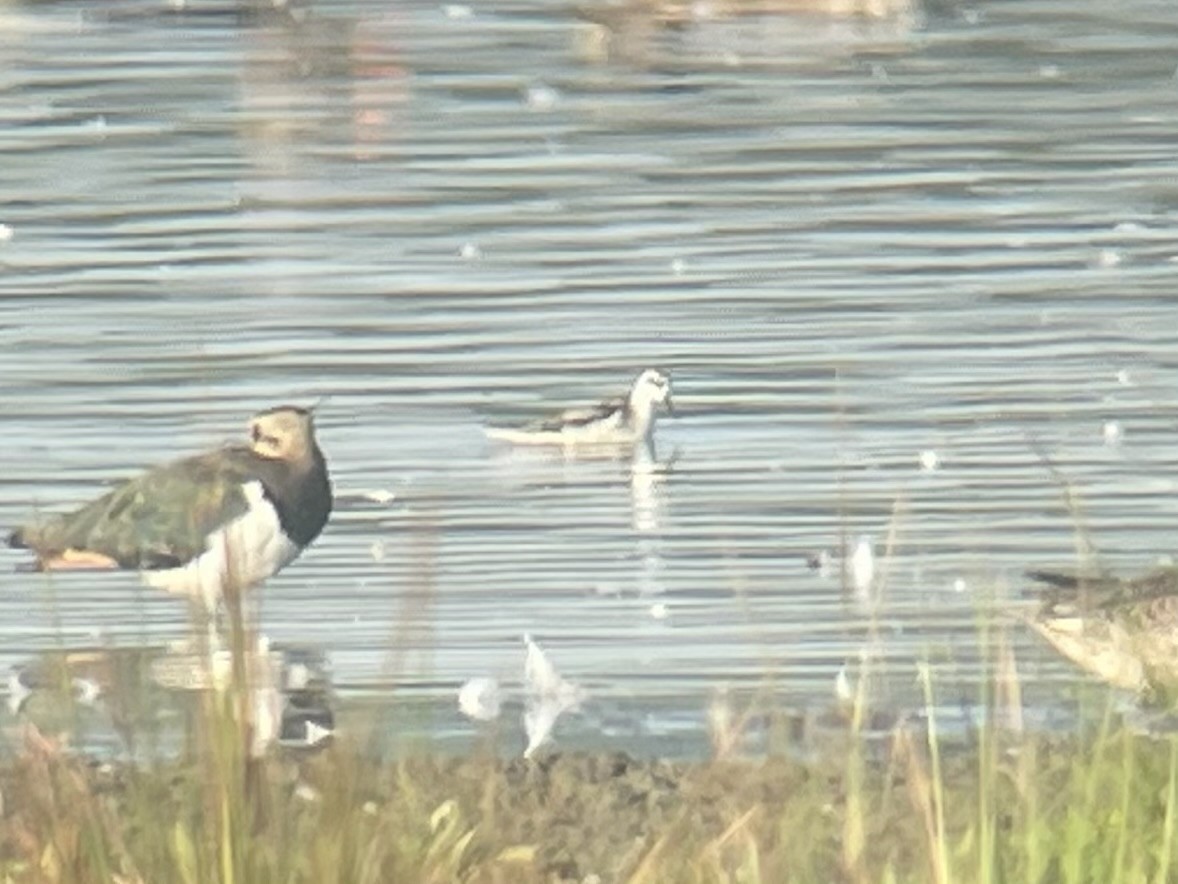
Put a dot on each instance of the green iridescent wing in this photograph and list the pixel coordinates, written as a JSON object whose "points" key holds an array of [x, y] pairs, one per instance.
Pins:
{"points": [[158, 520]]}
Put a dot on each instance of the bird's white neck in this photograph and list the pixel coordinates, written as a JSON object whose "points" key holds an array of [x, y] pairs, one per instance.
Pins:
{"points": [[641, 417]]}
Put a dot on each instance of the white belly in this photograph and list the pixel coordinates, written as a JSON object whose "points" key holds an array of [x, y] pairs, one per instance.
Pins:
{"points": [[609, 431], [243, 553]]}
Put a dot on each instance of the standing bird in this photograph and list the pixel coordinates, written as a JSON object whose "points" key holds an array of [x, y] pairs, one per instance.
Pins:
{"points": [[196, 526], [622, 421]]}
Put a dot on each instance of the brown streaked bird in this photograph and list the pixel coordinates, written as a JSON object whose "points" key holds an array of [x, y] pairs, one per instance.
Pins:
{"points": [[240, 513], [1123, 630]]}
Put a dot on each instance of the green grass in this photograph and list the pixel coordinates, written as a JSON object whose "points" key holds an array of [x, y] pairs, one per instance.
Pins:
{"points": [[1006, 806], [1091, 808]]}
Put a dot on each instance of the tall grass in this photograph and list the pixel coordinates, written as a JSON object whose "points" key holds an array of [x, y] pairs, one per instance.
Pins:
{"points": [[1091, 808], [1006, 806]]}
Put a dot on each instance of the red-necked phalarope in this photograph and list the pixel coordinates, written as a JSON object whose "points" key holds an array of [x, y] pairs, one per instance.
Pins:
{"points": [[242, 512], [622, 421]]}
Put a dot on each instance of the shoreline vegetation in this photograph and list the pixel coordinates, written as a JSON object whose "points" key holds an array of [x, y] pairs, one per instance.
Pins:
{"points": [[922, 803], [1001, 804]]}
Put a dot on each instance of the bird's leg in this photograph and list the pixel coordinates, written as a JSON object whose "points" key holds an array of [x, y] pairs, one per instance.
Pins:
{"points": [[78, 560], [204, 629]]}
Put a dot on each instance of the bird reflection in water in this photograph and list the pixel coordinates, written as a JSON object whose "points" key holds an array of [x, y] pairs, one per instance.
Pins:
{"points": [[648, 504], [316, 84]]}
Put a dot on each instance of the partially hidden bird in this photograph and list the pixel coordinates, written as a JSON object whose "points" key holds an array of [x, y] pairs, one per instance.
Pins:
{"points": [[1123, 630]]}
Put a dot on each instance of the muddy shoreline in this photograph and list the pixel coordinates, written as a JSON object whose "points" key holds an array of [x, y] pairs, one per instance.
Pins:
{"points": [[566, 816]]}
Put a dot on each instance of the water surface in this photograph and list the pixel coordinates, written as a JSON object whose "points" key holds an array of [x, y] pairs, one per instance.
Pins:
{"points": [[850, 242]]}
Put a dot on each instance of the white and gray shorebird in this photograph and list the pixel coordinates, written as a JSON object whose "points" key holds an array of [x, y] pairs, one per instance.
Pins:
{"points": [[238, 514], [625, 420]]}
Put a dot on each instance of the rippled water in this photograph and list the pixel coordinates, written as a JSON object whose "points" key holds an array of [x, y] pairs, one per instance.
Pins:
{"points": [[851, 242]]}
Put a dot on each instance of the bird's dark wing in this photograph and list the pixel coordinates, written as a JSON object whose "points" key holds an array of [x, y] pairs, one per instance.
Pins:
{"points": [[575, 417], [158, 520]]}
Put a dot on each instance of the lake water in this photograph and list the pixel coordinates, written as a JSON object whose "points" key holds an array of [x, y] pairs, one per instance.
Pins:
{"points": [[850, 242]]}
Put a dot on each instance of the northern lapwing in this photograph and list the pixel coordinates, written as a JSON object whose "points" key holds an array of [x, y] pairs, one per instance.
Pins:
{"points": [[195, 526], [625, 420]]}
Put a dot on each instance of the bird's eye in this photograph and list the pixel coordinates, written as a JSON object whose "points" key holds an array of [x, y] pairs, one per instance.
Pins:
{"points": [[261, 439]]}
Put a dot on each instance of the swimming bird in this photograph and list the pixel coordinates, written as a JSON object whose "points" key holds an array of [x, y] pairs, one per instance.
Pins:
{"points": [[625, 420], [1122, 630], [233, 516]]}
